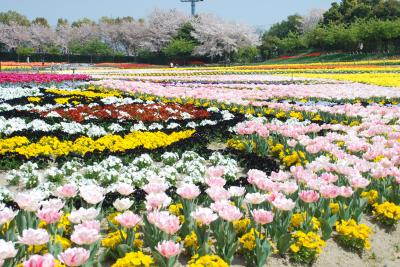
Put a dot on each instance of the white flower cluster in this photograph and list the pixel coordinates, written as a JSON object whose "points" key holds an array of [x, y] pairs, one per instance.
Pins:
{"points": [[8, 93], [190, 167]]}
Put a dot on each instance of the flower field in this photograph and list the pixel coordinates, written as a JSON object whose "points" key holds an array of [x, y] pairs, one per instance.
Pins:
{"points": [[212, 166]]}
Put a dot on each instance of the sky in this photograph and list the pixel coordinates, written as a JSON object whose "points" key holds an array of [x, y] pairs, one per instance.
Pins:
{"points": [[258, 13]]}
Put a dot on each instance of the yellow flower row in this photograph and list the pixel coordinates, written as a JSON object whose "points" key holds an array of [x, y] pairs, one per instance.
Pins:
{"points": [[52, 146], [382, 79], [86, 93]]}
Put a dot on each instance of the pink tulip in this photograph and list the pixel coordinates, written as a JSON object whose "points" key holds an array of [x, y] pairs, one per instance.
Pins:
{"points": [[7, 250], [215, 181], [124, 189], [220, 205], [82, 215], [49, 216], [85, 236], [289, 187], [34, 237], [217, 193], [283, 204], [128, 219], [329, 177], [230, 213], [168, 249], [204, 216], [27, 202], [67, 191], [346, 191], [122, 204], [7, 215], [92, 194], [155, 188], [54, 203], [92, 224], [309, 196], [254, 198], [217, 171], [166, 222], [74, 257], [236, 191], [329, 191], [279, 176], [274, 195], [254, 175], [188, 191], [40, 261], [157, 201], [262, 216], [359, 182]]}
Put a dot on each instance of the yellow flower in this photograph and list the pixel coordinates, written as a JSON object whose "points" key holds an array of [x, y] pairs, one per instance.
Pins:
{"points": [[53, 147], [190, 241], [371, 195], [387, 213], [334, 207], [134, 259], [294, 248], [240, 226], [353, 233], [299, 218], [176, 209], [248, 240], [207, 261], [34, 99], [309, 241], [111, 218]]}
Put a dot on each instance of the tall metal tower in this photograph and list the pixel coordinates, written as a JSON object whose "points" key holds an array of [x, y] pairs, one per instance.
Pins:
{"points": [[193, 5]]}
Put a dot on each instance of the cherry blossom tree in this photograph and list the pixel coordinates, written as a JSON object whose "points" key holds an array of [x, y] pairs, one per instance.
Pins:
{"points": [[163, 26], [41, 37], [14, 35], [218, 37], [311, 20]]}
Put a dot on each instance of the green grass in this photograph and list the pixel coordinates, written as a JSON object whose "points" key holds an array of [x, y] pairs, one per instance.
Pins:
{"points": [[332, 58]]}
